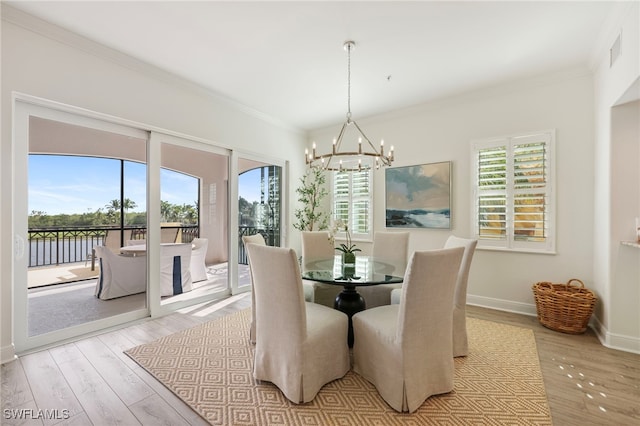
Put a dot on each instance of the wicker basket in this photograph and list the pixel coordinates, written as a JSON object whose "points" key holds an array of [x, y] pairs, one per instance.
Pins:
{"points": [[564, 307]]}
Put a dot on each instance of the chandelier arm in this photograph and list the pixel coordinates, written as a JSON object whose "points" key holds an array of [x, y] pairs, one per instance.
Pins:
{"points": [[341, 135], [364, 136]]}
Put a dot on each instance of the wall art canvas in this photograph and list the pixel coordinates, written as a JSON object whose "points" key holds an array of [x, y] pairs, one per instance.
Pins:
{"points": [[419, 196]]}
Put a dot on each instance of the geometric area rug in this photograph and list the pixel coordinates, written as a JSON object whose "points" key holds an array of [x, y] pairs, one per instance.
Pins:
{"points": [[210, 368]]}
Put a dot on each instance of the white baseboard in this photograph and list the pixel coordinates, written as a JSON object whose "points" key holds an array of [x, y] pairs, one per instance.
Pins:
{"points": [[7, 354], [610, 340], [615, 341], [502, 305]]}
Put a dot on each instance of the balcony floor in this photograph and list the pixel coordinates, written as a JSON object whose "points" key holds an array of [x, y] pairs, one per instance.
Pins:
{"points": [[55, 303], [68, 272]]}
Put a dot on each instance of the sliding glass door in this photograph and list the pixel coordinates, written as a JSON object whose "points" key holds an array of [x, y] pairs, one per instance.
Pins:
{"points": [[260, 201], [80, 184], [88, 188], [193, 211]]}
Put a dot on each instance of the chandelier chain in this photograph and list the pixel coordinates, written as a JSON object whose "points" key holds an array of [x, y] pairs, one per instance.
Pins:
{"points": [[348, 81]]}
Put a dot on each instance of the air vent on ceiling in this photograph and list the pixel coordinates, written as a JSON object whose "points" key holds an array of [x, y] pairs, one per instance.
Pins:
{"points": [[614, 51]]}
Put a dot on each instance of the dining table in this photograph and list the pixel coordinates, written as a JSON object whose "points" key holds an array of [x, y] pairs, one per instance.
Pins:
{"points": [[141, 249], [366, 271]]}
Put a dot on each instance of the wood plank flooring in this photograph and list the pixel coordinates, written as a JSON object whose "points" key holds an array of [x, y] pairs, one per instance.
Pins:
{"points": [[91, 382]]}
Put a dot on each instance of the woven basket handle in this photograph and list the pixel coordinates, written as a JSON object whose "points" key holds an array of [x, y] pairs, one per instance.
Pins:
{"points": [[574, 279]]}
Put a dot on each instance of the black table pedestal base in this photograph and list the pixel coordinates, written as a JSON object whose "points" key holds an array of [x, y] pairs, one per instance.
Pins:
{"points": [[350, 302]]}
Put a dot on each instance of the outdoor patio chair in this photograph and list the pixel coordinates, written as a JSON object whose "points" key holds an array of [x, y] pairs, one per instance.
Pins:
{"points": [[119, 275], [175, 269], [198, 255]]}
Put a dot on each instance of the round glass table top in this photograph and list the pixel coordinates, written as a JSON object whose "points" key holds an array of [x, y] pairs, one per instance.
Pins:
{"points": [[365, 271]]}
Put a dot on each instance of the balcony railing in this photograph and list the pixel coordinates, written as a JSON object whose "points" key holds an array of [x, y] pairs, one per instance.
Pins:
{"points": [[271, 237], [56, 246]]}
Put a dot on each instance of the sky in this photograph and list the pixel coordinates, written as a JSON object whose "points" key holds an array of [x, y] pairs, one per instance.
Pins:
{"points": [[69, 184], [249, 185]]}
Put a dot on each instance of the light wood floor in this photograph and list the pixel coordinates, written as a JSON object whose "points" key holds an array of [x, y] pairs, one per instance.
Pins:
{"points": [[586, 383]]}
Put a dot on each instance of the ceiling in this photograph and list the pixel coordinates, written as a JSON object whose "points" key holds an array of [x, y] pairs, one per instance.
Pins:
{"points": [[286, 59]]}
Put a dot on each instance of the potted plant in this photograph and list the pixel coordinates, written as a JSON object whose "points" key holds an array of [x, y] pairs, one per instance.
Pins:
{"points": [[348, 249], [311, 192]]}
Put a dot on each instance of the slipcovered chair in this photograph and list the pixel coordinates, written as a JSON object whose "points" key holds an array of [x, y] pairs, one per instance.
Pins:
{"points": [[246, 240], [175, 270], [198, 255], [460, 342], [120, 275], [317, 246], [307, 287], [391, 248], [300, 346], [406, 350], [112, 239]]}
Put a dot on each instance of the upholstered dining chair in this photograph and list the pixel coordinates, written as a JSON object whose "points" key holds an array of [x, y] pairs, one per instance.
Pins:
{"points": [[391, 248], [246, 240], [460, 341], [198, 255], [119, 275], [300, 346], [412, 341], [175, 269], [317, 246], [307, 287]]}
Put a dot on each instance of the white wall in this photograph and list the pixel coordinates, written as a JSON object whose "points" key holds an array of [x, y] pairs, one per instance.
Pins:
{"points": [[51, 63], [617, 286], [442, 131]]}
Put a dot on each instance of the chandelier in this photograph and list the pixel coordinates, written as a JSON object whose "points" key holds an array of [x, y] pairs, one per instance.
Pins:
{"points": [[339, 160]]}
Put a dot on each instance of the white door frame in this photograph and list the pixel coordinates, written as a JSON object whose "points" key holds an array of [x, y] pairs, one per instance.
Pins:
{"points": [[233, 203], [25, 106]]}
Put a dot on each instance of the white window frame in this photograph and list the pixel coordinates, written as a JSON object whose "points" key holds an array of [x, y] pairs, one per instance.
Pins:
{"points": [[510, 243], [351, 200]]}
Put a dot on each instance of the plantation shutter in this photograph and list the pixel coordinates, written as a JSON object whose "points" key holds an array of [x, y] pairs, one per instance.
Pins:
{"points": [[352, 201], [513, 192], [492, 193], [530, 191]]}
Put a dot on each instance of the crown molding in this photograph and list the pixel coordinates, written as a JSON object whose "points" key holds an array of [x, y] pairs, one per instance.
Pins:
{"points": [[59, 34]]}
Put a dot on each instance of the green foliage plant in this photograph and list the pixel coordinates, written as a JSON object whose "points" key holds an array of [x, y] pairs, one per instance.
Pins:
{"points": [[311, 192]]}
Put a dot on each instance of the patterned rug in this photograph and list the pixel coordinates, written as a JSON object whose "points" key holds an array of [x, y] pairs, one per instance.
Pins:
{"points": [[209, 367]]}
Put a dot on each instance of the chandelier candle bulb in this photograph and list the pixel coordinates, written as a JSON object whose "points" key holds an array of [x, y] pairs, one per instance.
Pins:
{"points": [[314, 150], [359, 146], [334, 146]]}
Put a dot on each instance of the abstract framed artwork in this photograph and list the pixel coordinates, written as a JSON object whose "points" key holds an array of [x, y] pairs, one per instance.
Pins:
{"points": [[419, 196]]}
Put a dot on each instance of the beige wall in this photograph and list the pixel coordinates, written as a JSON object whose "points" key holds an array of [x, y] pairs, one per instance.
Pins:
{"points": [[442, 131], [616, 315], [50, 63]]}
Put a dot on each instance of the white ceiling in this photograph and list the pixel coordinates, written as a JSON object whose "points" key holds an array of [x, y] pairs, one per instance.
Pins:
{"points": [[285, 59]]}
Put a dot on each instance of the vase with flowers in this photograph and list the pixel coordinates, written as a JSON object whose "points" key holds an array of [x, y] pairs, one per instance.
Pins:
{"points": [[348, 249]]}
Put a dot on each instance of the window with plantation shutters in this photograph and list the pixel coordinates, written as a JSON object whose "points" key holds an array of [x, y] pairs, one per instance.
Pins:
{"points": [[513, 192], [352, 201]]}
